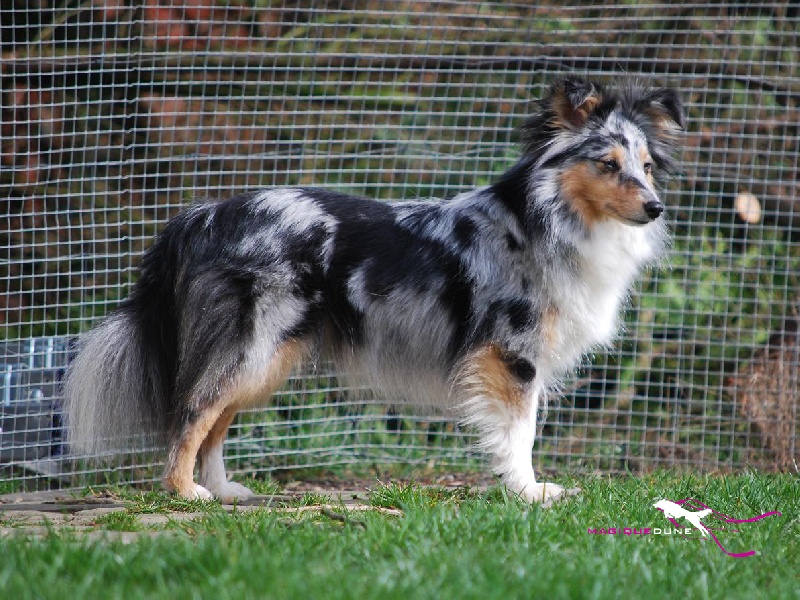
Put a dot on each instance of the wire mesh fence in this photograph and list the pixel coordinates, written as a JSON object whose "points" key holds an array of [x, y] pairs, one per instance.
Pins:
{"points": [[115, 115]]}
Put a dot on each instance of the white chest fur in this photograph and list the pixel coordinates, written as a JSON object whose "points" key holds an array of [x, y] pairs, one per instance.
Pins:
{"points": [[585, 303]]}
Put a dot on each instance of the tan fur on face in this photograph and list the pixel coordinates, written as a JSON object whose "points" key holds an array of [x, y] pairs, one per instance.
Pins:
{"points": [[485, 373], [596, 195], [587, 192]]}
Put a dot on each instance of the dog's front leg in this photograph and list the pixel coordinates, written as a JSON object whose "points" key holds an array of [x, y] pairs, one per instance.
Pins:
{"points": [[507, 433], [502, 401]]}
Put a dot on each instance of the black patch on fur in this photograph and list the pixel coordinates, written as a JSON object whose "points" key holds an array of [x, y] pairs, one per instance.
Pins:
{"points": [[346, 207], [620, 139], [362, 223], [561, 159], [457, 298], [513, 244], [217, 320], [396, 254], [151, 307], [393, 254], [519, 367], [512, 189], [625, 178], [519, 314], [512, 192], [464, 231]]}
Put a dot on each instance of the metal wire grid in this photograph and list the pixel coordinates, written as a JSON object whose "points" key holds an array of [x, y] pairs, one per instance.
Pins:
{"points": [[117, 115]]}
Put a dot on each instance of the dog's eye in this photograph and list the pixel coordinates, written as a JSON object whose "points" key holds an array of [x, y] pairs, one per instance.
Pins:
{"points": [[648, 167], [611, 165]]}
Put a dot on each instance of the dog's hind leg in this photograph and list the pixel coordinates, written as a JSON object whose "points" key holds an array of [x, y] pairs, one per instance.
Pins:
{"points": [[212, 466], [179, 470], [203, 431]]}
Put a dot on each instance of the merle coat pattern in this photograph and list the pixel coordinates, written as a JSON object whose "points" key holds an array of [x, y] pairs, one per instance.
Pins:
{"points": [[476, 305]]}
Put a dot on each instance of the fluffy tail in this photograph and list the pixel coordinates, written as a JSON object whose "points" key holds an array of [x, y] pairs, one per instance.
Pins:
{"points": [[115, 389]]}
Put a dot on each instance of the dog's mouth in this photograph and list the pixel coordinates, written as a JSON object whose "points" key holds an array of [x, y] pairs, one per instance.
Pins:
{"points": [[636, 221]]}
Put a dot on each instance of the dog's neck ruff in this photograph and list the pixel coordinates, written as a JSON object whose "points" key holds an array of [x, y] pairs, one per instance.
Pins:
{"points": [[606, 263], [583, 275]]}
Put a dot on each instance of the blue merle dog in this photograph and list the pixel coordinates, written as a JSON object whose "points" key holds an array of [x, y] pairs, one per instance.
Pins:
{"points": [[476, 305]]}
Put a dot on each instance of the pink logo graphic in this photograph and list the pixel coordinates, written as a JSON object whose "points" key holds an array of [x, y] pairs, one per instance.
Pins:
{"points": [[694, 511]]}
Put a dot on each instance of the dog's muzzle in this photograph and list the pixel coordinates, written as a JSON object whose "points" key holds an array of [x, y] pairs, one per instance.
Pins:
{"points": [[653, 209]]}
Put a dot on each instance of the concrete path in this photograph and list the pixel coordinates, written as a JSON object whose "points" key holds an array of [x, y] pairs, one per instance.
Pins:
{"points": [[36, 514]]}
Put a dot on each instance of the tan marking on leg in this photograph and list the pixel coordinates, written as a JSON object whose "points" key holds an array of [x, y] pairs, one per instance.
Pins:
{"points": [[246, 390], [260, 386], [485, 373], [211, 465], [216, 436], [179, 472]]}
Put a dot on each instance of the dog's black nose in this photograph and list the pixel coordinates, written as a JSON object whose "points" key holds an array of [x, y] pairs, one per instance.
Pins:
{"points": [[654, 208]]}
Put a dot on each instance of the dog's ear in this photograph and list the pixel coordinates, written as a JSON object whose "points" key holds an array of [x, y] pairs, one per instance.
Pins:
{"points": [[566, 107], [664, 108], [573, 101], [662, 119]]}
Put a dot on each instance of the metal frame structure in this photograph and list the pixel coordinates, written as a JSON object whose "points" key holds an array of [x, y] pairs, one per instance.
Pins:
{"points": [[115, 115]]}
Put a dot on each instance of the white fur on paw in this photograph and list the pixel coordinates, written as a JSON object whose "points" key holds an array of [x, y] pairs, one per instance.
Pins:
{"points": [[555, 493], [546, 493], [198, 492], [231, 491]]}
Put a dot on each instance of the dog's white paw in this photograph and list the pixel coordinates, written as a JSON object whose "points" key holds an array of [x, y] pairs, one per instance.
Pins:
{"points": [[562, 494], [231, 491], [198, 492], [546, 493], [188, 490]]}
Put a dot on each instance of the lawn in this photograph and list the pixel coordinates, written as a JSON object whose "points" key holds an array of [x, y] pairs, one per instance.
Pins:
{"points": [[434, 543]]}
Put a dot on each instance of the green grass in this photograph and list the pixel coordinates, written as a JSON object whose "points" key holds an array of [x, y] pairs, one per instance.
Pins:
{"points": [[10, 486], [119, 521], [456, 544]]}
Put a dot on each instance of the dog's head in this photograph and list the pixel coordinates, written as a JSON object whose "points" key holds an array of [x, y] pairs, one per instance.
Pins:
{"points": [[606, 149]]}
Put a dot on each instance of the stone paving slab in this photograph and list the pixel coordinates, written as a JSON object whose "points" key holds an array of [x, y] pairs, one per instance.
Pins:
{"points": [[33, 515]]}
